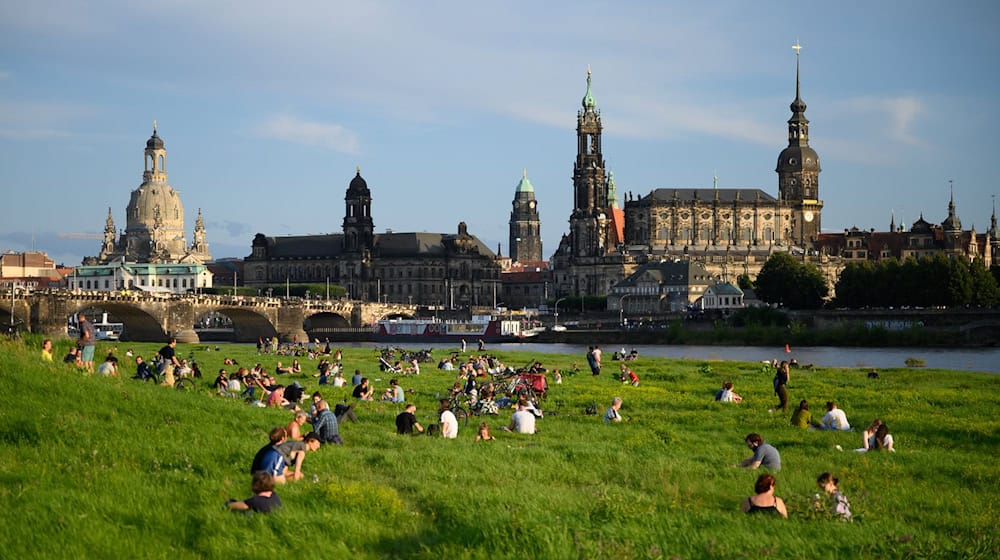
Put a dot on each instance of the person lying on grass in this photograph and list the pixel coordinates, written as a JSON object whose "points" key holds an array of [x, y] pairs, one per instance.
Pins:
{"points": [[264, 500]]}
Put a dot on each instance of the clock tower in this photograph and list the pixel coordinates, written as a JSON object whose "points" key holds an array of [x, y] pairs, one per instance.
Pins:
{"points": [[798, 176], [525, 225]]}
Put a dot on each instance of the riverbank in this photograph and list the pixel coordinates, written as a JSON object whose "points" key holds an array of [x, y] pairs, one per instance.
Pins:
{"points": [[146, 469]]}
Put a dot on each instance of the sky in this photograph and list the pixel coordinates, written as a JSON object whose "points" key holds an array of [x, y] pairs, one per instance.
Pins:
{"points": [[266, 109]]}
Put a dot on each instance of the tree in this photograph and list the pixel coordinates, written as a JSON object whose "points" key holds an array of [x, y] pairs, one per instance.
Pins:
{"points": [[985, 292], [959, 282], [744, 282], [786, 281]]}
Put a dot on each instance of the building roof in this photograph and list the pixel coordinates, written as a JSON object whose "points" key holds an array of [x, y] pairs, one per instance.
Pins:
{"points": [[725, 289], [708, 194], [524, 185], [674, 273]]}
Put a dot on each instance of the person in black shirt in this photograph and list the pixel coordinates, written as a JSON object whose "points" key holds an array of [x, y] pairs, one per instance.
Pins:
{"points": [[406, 421], [264, 500]]}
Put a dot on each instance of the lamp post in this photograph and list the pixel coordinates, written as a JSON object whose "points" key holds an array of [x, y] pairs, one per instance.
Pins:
{"points": [[557, 309], [621, 309]]}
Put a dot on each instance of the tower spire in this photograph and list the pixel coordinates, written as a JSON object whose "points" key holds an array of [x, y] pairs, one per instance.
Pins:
{"points": [[588, 99]]}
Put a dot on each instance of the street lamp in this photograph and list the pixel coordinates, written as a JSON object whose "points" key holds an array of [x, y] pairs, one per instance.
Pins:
{"points": [[557, 309]]}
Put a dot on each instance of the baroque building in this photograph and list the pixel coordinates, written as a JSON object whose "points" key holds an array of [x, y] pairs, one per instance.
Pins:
{"points": [[730, 224], [440, 269], [921, 239], [154, 218], [525, 224]]}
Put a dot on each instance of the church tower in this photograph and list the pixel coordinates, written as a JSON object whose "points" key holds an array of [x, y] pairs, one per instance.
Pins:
{"points": [[798, 176], [525, 225], [952, 226], [359, 230], [589, 222], [108, 248]]}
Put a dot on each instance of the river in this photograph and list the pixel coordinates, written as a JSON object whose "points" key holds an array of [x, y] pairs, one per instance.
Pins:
{"points": [[966, 359]]}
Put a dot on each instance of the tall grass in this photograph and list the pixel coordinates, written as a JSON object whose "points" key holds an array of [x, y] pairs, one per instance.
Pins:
{"points": [[97, 467]]}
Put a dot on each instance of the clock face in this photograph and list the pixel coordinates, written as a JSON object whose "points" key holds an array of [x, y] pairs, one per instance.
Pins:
{"points": [[808, 216], [531, 205]]}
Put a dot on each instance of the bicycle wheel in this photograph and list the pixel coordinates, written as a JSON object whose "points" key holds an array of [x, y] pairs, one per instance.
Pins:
{"points": [[461, 414], [184, 384]]}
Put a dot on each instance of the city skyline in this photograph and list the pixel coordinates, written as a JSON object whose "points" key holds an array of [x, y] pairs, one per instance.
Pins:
{"points": [[266, 115]]}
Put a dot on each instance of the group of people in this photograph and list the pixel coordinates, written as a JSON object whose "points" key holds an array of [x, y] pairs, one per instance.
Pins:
{"points": [[875, 437]]}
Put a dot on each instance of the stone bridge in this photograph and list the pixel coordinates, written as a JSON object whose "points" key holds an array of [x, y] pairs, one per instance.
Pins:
{"points": [[150, 317]]}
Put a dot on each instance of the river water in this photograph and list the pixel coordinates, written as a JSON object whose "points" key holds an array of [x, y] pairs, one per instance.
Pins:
{"points": [[967, 359]]}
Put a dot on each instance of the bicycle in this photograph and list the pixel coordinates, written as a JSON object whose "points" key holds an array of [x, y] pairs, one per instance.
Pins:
{"points": [[181, 383]]}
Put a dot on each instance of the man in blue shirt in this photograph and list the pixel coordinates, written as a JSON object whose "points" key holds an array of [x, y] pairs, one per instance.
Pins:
{"points": [[269, 459]]}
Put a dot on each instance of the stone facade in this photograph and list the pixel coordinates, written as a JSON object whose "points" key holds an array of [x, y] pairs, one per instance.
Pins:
{"points": [[439, 269]]}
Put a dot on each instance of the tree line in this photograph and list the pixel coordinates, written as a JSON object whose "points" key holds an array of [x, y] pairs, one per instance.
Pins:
{"points": [[930, 281]]}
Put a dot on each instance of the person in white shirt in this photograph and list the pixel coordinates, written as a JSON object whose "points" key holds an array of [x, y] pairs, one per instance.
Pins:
{"points": [[522, 422], [834, 419], [449, 424]]}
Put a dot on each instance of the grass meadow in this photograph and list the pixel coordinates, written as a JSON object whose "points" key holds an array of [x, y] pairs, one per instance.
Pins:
{"points": [[95, 467]]}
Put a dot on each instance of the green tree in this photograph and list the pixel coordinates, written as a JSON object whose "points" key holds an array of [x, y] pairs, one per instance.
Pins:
{"points": [[959, 282], [786, 281], [985, 292], [744, 282]]}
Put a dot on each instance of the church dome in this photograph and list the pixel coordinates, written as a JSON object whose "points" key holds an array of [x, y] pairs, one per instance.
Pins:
{"points": [[154, 142], [155, 202], [798, 158], [358, 186]]}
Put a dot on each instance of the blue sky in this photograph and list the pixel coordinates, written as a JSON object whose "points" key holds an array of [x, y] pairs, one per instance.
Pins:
{"points": [[266, 111]]}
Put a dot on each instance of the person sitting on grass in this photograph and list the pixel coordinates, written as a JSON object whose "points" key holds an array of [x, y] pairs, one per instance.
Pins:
{"points": [[276, 398], [406, 421], [264, 499], [282, 370], [294, 427], [109, 367], [802, 418], [325, 424], [294, 453], [764, 454], [834, 419], [268, 459], [764, 501], [840, 506], [142, 371], [877, 437], [296, 366], [484, 433], [73, 356], [628, 376], [522, 421], [47, 350], [612, 415], [293, 394], [221, 382], [363, 391], [356, 378], [449, 424], [726, 394]]}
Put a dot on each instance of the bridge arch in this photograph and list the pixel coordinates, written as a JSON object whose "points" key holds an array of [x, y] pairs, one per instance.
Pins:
{"points": [[139, 324], [324, 324], [248, 324]]}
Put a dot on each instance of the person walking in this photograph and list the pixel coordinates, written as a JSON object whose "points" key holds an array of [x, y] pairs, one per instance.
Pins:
{"points": [[781, 377]]}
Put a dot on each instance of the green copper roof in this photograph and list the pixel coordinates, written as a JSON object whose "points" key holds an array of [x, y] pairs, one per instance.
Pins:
{"points": [[525, 184], [612, 190], [588, 99]]}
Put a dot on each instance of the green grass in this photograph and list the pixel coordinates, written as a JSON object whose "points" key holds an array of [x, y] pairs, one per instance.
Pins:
{"points": [[95, 467]]}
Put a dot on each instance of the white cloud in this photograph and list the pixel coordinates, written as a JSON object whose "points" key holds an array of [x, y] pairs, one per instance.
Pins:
{"points": [[329, 136]]}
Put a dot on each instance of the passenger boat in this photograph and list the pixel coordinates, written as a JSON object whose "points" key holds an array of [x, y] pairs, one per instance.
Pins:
{"points": [[489, 329]]}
